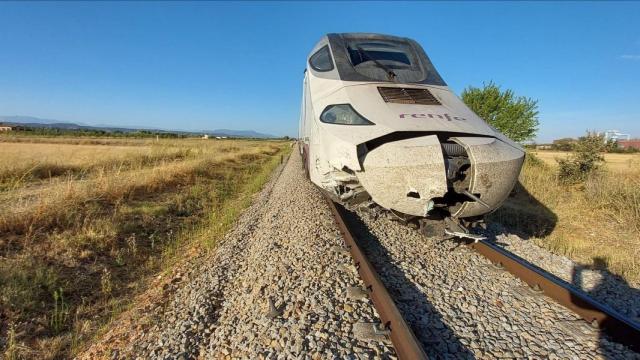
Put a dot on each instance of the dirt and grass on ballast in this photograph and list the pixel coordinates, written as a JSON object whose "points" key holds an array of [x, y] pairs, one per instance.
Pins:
{"points": [[84, 227]]}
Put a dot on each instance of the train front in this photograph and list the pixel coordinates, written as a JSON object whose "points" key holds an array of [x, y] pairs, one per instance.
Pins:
{"points": [[378, 123]]}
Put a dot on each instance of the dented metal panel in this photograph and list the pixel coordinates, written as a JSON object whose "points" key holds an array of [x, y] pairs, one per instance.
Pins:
{"points": [[405, 175], [495, 167]]}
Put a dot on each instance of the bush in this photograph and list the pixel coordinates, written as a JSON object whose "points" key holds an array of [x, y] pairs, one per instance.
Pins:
{"points": [[532, 160], [627, 150], [586, 159]]}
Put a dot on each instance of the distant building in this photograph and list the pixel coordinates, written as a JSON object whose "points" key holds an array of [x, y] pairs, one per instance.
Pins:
{"points": [[544, 147], [205, 136], [615, 135], [631, 143], [5, 128]]}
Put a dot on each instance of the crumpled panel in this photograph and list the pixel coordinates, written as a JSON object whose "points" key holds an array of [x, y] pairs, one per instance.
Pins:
{"points": [[405, 175], [495, 168]]}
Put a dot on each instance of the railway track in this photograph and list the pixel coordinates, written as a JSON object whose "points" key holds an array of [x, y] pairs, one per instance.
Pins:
{"points": [[619, 328], [403, 339]]}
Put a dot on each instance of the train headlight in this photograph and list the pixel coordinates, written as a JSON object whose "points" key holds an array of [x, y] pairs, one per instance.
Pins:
{"points": [[343, 114]]}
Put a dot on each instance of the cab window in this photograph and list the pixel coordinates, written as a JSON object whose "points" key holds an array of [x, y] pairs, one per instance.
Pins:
{"points": [[321, 60]]}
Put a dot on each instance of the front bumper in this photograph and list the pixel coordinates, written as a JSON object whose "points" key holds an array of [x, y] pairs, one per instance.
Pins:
{"points": [[409, 176]]}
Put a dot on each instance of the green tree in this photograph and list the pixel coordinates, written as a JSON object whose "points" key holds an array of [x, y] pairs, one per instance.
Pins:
{"points": [[564, 144], [514, 116]]}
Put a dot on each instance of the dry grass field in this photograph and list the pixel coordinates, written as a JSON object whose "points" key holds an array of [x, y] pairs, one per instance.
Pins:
{"points": [[85, 223], [613, 162], [599, 218]]}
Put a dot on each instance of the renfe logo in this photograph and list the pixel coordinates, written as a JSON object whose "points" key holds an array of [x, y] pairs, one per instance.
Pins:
{"points": [[433, 116]]}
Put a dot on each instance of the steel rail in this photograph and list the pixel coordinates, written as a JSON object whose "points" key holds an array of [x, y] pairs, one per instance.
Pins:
{"points": [[403, 339], [616, 325]]}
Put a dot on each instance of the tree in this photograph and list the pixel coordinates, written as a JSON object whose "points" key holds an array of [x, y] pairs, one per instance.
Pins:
{"points": [[564, 144], [514, 116]]}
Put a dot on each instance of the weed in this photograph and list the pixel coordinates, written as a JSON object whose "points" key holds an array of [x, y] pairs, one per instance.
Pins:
{"points": [[60, 312], [11, 352], [105, 282], [132, 246], [119, 257]]}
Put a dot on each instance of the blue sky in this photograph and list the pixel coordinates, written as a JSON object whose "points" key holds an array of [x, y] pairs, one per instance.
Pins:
{"points": [[239, 65]]}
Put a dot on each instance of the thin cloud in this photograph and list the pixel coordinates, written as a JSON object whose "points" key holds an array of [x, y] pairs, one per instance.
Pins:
{"points": [[630, 57]]}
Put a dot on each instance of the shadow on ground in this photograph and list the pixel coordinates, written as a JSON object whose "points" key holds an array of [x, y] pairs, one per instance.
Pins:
{"points": [[523, 215], [437, 339], [609, 284]]}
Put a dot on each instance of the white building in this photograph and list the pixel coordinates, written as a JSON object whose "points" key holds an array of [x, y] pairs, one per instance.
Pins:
{"points": [[615, 135]]}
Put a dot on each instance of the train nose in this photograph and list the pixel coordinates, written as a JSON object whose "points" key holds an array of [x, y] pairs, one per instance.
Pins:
{"points": [[405, 175], [465, 176]]}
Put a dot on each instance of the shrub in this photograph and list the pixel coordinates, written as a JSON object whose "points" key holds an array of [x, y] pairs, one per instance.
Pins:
{"points": [[586, 159]]}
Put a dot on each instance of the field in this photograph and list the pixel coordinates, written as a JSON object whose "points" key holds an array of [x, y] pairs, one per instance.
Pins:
{"points": [[596, 223], [85, 223], [613, 162]]}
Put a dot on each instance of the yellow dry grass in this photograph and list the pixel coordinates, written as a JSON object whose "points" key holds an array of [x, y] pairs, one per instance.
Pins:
{"points": [[84, 140], [82, 227], [613, 162], [24, 162], [597, 219]]}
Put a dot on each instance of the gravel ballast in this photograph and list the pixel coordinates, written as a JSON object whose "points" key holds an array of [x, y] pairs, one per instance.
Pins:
{"points": [[280, 285], [600, 284], [461, 306], [276, 286]]}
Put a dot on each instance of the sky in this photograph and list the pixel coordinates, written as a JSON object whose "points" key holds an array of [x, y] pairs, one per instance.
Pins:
{"points": [[238, 65]]}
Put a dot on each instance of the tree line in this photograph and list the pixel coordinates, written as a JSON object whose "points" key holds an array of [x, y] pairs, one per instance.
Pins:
{"points": [[45, 131]]}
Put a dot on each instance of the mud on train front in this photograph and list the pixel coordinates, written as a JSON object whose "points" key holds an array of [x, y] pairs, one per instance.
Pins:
{"points": [[379, 124]]}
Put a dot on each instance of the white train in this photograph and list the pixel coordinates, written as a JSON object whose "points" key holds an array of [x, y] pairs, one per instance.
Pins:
{"points": [[379, 125]]}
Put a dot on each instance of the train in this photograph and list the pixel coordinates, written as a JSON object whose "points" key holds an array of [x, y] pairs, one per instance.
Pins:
{"points": [[379, 127]]}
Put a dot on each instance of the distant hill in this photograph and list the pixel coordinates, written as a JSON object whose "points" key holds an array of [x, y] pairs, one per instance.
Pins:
{"points": [[242, 133], [27, 120], [57, 124]]}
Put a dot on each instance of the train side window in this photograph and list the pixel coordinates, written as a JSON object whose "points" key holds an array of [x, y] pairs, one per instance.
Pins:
{"points": [[321, 60]]}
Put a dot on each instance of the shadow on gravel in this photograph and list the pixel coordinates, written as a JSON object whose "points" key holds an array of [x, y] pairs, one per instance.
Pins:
{"points": [[523, 215], [609, 284], [436, 337]]}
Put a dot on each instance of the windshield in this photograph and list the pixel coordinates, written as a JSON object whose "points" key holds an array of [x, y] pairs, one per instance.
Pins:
{"points": [[374, 57], [390, 54]]}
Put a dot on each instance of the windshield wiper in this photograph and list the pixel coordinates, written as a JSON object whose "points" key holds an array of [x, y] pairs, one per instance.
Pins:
{"points": [[390, 74]]}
